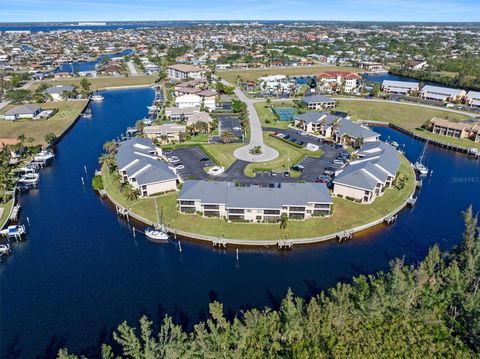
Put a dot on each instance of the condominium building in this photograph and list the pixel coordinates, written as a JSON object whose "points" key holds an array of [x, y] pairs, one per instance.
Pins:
{"points": [[182, 72]]}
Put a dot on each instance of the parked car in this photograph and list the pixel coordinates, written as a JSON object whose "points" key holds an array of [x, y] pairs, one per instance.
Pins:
{"points": [[338, 146], [287, 136], [286, 174], [338, 162], [180, 167], [328, 172], [323, 179], [300, 143], [298, 168], [173, 159], [204, 159]]}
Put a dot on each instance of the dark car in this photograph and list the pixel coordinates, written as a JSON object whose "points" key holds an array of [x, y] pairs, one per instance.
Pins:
{"points": [[287, 136], [300, 143], [298, 168], [204, 159], [338, 146], [323, 179]]}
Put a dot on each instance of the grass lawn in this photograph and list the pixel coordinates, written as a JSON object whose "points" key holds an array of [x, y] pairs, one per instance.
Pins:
{"points": [[253, 74], [100, 83], [201, 137], [5, 213], [406, 116], [222, 154], [346, 214], [289, 155], [67, 112], [265, 113]]}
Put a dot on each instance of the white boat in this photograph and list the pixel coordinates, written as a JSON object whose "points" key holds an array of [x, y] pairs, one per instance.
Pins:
{"points": [[159, 232], [420, 166], [44, 155], [96, 97], [156, 234], [27, 169], [4, 249], [29, 179], [14, 231]]}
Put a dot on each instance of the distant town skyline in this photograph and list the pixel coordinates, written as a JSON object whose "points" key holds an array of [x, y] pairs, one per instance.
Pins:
{"points": [[143, 10]]}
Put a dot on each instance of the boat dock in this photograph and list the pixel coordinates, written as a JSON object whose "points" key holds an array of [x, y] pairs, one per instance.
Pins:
{"points": [[284, 245], [391, 219], [220, 243], [344, 235], [15, 212]]}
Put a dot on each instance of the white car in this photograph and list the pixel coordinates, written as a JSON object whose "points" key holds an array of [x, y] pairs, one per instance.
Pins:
{"points": [[180, 167]]}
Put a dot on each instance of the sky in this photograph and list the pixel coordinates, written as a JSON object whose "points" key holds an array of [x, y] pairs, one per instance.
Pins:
{"points": [[347, 10]]}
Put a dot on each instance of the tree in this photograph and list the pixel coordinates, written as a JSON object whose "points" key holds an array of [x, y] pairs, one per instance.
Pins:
{"points": [[283, 221], [109, 146], [85, 86], [50, 137], [140, 125], [19, 96], [227, 137]]}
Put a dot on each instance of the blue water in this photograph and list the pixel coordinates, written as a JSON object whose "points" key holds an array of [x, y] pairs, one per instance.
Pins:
{"points": [[379, 78], [90, 65], [80, 272]]}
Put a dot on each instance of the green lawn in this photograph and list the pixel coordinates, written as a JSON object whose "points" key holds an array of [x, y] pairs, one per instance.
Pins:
{"points": [[346, 214], [222, 154], [68, 111], [5, 213], [265, 114], [253, 74], [100, 83], [405, 116], [451, 140], [289, 155]]}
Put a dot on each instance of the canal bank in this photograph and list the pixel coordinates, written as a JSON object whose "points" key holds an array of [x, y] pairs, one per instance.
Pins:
{"points": [[80, 272]]}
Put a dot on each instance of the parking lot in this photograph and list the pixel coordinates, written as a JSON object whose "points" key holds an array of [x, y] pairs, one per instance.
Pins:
{"points": [[193, 160]]}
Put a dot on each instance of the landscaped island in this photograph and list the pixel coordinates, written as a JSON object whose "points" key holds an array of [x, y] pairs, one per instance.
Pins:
{"points": [[346, 214]]}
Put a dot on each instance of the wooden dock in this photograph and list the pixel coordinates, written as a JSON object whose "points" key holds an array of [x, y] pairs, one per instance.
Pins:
{"points": [[220, 243], [391, 219], [411, 201], [15, 212], [285, 245], [344, 235]]}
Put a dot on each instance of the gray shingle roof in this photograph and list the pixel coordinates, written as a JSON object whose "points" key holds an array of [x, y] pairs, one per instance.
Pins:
{"points": [[290, 194], [137, 157], [23, 110], [316, 117], [354, 130], [59, 89]]}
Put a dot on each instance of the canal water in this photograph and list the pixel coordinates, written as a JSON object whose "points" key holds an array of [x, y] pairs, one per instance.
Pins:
{"points": [[90, 65], [80, 272]]}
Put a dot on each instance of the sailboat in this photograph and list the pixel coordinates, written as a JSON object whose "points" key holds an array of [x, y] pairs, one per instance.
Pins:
{"points": [[157, 233], [420, 165]]}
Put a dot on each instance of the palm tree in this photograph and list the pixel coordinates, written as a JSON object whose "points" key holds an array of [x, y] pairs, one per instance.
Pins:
{"points": [[227, 137], [109, 146], [283, 221]]}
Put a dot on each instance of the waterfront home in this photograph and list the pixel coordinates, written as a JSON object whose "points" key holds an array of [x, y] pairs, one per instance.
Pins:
{"points": [[473, 99], [370, 66], [351, 133], [442, 94], [56, 92], [182, 72], [186, 101], [416, 64], [200, 117], [180, 114], [318, 102], [138, 162], [367, 178], [197, 83], [400, 87], [456, 129], [274, 83], [209, 98], [321, 123], [29, 111], [167, 132], [340, 81], [254, 203]]}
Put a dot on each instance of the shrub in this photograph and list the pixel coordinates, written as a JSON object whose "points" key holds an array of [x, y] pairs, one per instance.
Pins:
{"points": [[97, 183]]}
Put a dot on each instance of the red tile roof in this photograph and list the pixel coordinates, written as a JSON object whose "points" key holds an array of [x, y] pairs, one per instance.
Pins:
{"points": [[334, 74]]}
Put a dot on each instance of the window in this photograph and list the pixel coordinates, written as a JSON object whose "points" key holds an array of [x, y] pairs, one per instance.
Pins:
{"points": [[271, 211], [187, 203], [297, 209]]}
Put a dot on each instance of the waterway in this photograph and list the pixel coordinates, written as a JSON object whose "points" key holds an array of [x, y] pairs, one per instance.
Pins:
{"points": [[80, 272], [90, 65]]}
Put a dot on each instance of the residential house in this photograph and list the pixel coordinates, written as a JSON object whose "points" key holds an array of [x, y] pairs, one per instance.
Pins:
{"points": [[200, 117], [456, 129], [138, 164], [319, 102], [370, 66], [367, 178], [254, 203], [321, 123], [416, 64], [167, 132], [185, 101], [180, 114], [183, 71], [209, 98], [400, 87], [442, 94], [340, 81], [352, 133], [29, 111], [473, 99], [56, 92]]}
